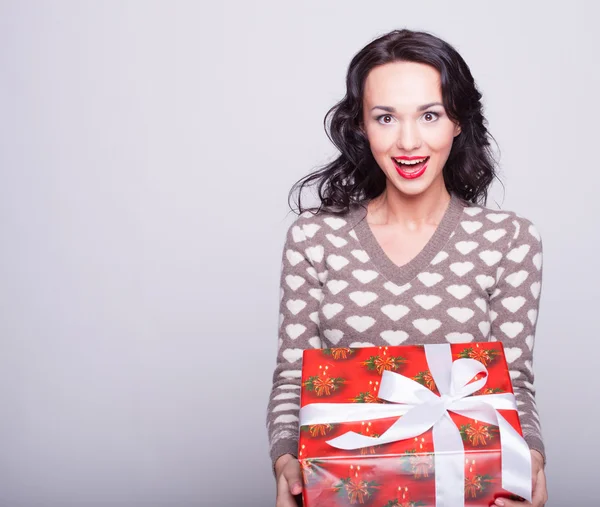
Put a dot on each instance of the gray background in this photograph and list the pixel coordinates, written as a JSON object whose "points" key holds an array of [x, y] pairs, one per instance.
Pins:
{"points": [[146, 152]]}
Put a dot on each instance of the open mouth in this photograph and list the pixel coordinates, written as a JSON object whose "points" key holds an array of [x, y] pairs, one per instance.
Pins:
{"points": [[411, 169]]}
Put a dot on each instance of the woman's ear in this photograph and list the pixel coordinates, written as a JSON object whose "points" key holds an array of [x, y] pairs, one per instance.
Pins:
{"points": [[457, 129]]}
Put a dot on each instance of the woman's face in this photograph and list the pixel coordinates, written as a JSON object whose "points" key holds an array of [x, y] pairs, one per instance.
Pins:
{"points": [[407, 126]]}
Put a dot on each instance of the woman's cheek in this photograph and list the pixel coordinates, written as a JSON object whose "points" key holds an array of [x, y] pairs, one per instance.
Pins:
{"points": [[383, 140], [440, 139], [377, 142]]}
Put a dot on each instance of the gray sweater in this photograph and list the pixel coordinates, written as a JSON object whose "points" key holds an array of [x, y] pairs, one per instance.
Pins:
{"points": [[478, 278]]}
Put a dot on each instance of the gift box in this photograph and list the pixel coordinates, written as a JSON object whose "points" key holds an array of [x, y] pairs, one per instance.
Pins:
{"points": [[407, 426]]}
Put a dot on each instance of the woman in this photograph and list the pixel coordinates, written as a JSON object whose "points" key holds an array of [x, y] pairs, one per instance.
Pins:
{"points": [[401, 249]]}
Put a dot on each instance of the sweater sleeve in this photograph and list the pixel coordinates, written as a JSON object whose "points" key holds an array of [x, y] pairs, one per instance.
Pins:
{"points": [[300, 293], [514, 311]]}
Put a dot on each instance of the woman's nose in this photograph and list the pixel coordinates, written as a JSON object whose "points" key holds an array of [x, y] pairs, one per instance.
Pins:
{"points": [[409, 138]]}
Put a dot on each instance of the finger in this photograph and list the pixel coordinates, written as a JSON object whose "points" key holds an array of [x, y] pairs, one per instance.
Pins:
{"points": [[293, 476], [505, 502], [284, 496]]}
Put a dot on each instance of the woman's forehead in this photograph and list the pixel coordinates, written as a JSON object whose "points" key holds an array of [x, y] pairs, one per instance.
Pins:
{"points": [[402, 85]]}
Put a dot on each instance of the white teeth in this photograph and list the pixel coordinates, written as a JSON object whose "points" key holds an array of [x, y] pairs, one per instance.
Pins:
{"points": [[410, 162]]}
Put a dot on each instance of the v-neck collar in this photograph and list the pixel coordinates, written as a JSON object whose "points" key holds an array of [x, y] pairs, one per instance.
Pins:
{"points": [[401, 275]]}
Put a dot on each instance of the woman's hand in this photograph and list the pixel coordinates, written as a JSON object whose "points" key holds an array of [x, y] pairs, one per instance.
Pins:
{"points": [[540, 495], [289, 480]]}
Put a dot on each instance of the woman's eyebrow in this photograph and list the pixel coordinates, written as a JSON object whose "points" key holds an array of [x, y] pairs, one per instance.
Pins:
{"points": [[427, 106], [389, 109]]}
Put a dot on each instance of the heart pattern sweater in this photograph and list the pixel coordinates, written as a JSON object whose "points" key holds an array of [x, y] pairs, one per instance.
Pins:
{"points": [[478, 278]]}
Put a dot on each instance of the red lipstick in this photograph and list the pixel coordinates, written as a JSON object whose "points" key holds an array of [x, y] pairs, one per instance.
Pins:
{"points": [[411, 172]]}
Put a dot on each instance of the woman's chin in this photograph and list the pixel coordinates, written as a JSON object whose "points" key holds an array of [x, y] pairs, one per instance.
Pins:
{"points": [[415, 187]]}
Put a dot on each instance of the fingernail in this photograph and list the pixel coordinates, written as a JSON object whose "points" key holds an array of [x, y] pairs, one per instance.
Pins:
{"points": [[296, 488], [499, 502]]}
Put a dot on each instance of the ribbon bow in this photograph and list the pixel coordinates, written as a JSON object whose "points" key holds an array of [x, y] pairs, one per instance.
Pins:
{"points": [[421, 410]]}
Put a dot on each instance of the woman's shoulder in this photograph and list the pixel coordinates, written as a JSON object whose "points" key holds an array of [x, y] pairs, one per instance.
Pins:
{"points": [[497, 219], [309, 223]]}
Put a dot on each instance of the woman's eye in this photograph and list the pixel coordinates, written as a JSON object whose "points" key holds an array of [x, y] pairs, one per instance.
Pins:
{"points": [[386, 118], [430, 116]]}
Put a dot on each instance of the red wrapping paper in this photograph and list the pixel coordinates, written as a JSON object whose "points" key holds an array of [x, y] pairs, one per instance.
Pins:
{"points": [[399, 473]]}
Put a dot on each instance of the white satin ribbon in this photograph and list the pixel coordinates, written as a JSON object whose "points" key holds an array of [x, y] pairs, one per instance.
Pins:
{"points": [[421, 410]]}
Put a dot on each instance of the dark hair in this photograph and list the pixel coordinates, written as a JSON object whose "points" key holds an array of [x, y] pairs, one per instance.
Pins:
{"points": [[354, 176]]}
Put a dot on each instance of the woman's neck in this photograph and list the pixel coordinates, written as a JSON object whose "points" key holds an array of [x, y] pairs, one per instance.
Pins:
{"points": [[411, 212]]}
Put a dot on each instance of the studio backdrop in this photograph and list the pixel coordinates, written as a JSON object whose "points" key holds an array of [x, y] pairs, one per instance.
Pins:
{"points": [[146, 152]]}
